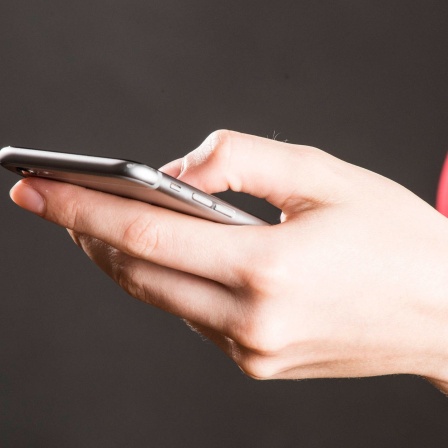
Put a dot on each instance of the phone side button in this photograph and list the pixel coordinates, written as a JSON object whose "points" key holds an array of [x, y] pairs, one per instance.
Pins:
{"points": [[175, 187], [225, 210], [202, 200]]}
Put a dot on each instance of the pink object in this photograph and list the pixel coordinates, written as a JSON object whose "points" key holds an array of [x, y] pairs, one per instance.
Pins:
{"points": [[442, 194]]}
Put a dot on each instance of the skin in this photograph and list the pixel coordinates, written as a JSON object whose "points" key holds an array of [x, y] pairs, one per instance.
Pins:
{"points": [[352, 283]]}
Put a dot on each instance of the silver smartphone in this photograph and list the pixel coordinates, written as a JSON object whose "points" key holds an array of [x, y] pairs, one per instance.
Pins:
{"points": [[124, 178]]}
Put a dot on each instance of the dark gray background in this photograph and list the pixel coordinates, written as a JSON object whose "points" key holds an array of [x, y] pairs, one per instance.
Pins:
{"points": [[84, 365]]}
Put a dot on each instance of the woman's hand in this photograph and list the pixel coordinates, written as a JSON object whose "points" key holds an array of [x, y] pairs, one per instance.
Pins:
{"points": [[353, 282]]}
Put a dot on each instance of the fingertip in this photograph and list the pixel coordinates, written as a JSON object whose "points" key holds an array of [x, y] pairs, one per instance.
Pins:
{"points": [[15, 190], [27, 197]]}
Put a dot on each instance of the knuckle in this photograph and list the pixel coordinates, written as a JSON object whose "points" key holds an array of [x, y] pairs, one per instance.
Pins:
{"points": [[220, 137], [128, 278], [264, 340], [258, 367], [221, 143], [268, 276], [263, 333], [71, 215], [216, 146], [141, 236]]}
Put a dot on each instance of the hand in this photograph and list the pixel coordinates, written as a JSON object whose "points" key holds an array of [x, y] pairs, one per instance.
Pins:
{"points": [[353, 282]]}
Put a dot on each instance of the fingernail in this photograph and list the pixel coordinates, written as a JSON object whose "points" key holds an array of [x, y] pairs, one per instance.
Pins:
{"points": [[28, 198]]}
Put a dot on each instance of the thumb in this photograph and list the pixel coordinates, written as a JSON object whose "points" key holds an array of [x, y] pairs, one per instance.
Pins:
{"points": [[281, 173]]}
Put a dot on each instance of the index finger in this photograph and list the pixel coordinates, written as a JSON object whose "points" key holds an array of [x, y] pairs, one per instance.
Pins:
{"points": [[215, 251]]}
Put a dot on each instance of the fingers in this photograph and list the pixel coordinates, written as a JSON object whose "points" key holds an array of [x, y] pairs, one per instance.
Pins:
{"points": [[261, 167], [173, 168], [203, 301], [223, 342], [215, 251]]}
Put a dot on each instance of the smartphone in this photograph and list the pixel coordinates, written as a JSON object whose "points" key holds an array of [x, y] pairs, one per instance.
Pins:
{"points": [[124, 178]]}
